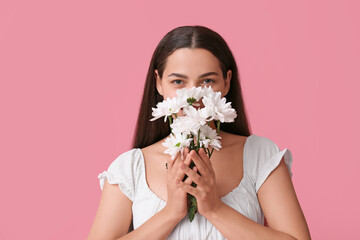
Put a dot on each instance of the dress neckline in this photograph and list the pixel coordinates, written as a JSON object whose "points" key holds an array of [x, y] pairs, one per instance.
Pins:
{"points": [[223, 197]]}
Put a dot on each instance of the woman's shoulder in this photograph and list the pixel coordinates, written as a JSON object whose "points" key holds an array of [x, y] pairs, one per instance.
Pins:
{"points": [[263, 156], [125, 164], [259, 148], [125, 171], [260, 143], [128, 157]]}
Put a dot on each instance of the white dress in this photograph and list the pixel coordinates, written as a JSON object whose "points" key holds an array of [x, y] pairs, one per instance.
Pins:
{"points": [[260, 157]]}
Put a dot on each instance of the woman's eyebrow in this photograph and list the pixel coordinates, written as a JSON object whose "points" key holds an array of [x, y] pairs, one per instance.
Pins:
{"points": [[179, 75]]}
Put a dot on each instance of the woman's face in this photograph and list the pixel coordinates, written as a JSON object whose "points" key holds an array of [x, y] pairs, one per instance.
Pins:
{"points": [[187, 68]]}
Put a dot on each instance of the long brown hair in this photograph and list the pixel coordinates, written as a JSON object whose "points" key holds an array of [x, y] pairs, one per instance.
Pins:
{"points": [[148, 132]]}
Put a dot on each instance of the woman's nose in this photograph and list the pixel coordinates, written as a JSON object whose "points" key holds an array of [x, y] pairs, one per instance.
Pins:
{"points": [[190, 85]]}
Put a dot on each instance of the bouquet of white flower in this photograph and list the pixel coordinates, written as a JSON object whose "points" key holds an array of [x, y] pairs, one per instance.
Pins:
{"points": [[192, 130]]}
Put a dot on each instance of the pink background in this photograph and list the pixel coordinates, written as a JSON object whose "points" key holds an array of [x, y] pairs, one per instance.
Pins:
{"points": [[72, 75]]}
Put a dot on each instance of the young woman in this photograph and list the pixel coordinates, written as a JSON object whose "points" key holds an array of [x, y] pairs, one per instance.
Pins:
{"points": [[244, 185]]}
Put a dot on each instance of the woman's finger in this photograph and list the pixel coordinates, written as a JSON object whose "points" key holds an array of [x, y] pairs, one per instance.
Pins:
{"points": [[186, 152], [179, 172], [187, 160], [203, 169], [175, 167], [191, 173], [205, 158], [188, 181], [190, 189], [170, 161]]}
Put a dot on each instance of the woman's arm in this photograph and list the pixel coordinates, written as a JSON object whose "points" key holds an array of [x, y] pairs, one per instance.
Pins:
{"points": [[158, 226], [113, 219], [281, 209], [114, 214], [276, 196]]}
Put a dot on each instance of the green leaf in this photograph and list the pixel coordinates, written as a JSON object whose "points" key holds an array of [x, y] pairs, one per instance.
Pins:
{"points": [[192, 212], [191, 215], [178, 144], [193, 202]]}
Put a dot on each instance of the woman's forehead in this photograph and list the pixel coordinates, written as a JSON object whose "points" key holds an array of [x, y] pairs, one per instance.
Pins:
{"points": [[195, 60]]}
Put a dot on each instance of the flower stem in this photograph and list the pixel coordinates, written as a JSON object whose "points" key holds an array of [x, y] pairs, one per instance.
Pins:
{"points": [[170, 121], [192, 144], [198, 140], [211, 152], [217, 126]]}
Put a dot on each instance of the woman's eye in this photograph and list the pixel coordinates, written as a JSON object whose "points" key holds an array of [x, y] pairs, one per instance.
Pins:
{"points": [[177, 82], [208, 81]]}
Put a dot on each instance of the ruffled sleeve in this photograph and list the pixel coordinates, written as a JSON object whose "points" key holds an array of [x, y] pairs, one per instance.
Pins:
{"points": [[266, 156], [124, 171]]}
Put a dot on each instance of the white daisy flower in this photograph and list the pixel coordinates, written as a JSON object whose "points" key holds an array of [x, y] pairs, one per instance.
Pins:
{"points": [[221, 110], [207, 90], [185, 125], [209, 137], [191, 95], [167, 108], [175, 143], [196, 114]]}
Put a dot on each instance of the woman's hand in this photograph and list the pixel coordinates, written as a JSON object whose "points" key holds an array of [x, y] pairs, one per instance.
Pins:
{"points": [[206, 193], [176, 203]]}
